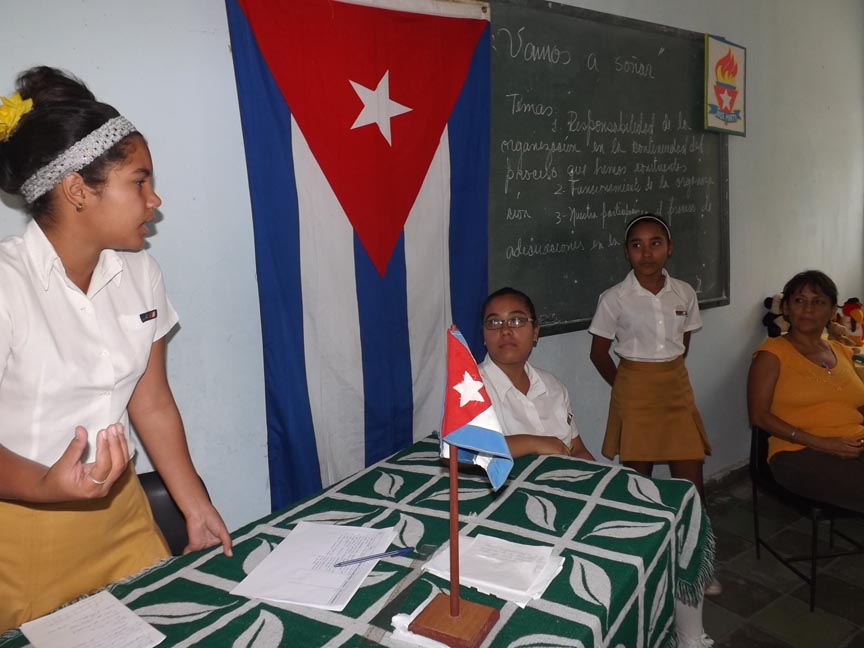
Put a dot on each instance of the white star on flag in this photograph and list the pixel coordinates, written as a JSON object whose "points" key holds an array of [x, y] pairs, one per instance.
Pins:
{"points": [[378, 108], [469, 390]]}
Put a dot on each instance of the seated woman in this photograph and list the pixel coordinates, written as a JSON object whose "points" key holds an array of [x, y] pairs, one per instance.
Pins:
{"points": [[532, 405], [804, 391]]}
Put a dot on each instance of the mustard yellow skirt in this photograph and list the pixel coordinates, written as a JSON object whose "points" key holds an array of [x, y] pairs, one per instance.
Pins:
{"points": [[53, 553], [653, 415]]}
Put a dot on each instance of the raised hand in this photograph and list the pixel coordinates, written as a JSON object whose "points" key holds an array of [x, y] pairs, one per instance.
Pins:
{"points": [[69, 479]]}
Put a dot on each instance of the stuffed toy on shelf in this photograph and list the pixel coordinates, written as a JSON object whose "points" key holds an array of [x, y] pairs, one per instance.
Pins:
{"points": [[852, 316], [774, 320]]}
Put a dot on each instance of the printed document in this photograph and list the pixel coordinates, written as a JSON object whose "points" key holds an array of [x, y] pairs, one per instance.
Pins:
{"points": [[300, 569]]}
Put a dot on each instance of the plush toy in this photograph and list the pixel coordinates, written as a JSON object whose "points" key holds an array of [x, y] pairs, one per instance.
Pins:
{"points": [[774, 320], [852, 318]]}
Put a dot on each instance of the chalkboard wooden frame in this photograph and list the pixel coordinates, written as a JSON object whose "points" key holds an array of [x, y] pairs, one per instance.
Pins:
{"points": [[533, 277]]}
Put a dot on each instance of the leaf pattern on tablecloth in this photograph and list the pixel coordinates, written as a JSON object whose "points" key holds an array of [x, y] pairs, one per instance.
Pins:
{"points": [[591, 582], [540, 511], [174, 613], [184, 598], [546, 641], [258, 554], [658, 602], [643, 489], [388, 485], [567, 474], [336, 517], [625, 529], [266, 632], [409, 531], [420, 456], [464, 494]]}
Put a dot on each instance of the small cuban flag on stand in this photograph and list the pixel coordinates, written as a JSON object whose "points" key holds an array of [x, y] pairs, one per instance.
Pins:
{"points": [[470, 425], [469, 422]]}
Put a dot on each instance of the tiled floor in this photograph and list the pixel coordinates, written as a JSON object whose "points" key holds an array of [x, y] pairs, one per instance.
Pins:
{"points": [[763, 604]]}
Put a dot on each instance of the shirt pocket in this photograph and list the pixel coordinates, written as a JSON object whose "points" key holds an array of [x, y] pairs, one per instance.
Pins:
{"points": [[679, 320], [138, 340]]}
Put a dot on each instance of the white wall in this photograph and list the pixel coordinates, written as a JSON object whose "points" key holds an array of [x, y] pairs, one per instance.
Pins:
{"points": [[795, 198]]}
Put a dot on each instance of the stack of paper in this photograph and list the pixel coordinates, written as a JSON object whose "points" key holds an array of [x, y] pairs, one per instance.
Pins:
{"points": [[302, 568], [509, 570]]}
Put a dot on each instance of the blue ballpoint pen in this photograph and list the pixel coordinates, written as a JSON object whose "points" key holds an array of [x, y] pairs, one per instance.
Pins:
{"points": [[386, 554]]}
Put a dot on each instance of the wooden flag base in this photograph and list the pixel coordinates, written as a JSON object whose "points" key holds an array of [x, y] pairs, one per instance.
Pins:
{"points": [[464, 631]]}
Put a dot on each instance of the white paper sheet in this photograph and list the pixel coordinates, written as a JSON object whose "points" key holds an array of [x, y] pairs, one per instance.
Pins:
{"points": [[300, 570], [99, 621], [509, 570], [401, 633]]}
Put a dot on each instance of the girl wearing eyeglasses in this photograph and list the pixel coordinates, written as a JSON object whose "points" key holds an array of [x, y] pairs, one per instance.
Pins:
{"points": [[532, 405]]}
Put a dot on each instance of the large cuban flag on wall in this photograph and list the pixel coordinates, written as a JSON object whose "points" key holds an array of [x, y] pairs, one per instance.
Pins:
{"points": [[366, 133]]}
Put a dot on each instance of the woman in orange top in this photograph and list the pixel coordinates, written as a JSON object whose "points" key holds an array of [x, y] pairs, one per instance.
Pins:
{"points": [[804, 391]]}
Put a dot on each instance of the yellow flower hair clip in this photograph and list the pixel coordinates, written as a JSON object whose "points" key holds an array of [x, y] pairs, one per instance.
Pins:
{"points": [[11, 111]]}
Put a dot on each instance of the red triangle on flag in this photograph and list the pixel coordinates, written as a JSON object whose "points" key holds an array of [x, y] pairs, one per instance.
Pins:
{"points": [[320, 52], [462, 374]]}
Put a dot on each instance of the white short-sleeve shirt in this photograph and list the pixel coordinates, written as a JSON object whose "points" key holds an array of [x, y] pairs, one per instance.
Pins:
{"points": [[647, 327], [544, 410], [66, 358]]}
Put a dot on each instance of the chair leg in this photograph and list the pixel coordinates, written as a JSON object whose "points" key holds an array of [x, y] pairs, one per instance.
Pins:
{"points": [[756, 520], [814, 541]]}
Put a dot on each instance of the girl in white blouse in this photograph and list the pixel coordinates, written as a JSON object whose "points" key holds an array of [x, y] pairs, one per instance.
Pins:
{"points": [[532, 405]]}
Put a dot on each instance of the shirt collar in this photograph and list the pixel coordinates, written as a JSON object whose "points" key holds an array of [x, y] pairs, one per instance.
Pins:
{"points": [[632, 285], [502, 383], [45, 260]]}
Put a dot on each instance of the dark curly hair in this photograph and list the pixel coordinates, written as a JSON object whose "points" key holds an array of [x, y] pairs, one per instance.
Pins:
{"points": [[64, 111], [813, 279]]}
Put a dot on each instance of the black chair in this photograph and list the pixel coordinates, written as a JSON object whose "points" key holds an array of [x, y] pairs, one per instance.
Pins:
{"points": [[168, 516], [816, 511]]}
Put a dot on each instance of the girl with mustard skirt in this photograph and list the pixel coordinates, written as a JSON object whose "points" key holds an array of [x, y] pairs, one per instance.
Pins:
{"points": [[83, 319], [652, 412]]}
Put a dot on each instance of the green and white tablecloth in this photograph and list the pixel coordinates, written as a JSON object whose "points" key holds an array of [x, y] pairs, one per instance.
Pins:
{"points": [[631, 545]]}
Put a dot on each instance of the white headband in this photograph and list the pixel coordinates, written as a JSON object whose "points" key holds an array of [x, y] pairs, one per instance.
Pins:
{"points": [[76, 157]]}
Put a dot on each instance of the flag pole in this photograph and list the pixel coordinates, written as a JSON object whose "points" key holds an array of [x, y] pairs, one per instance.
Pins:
{"points": [[464, 624], [454, 532], [449, 619]]}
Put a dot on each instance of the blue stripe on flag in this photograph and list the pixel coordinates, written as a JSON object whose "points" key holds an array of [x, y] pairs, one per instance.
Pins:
{"points": [[472, 440], [382, 305], [468, 130], [292, 454]]}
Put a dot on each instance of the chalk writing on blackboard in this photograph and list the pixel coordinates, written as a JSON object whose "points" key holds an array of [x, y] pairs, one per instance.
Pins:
{"points": [[595, 119]]}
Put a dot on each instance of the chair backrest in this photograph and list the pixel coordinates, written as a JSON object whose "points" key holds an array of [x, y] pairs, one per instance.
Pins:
{"points": [[168, 516]]}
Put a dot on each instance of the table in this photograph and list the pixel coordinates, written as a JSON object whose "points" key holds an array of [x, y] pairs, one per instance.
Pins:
{"points": [[632, 544]]}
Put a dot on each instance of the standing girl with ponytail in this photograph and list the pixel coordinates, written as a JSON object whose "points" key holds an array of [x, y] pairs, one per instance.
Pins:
{"points": [[83, 320]]}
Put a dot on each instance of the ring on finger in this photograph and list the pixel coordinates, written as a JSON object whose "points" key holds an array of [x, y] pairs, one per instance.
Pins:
{"points": [[96, 481]]}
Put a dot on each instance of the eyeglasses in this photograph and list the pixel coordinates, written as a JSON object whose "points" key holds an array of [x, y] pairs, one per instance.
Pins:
{"points": [[513, 322]]}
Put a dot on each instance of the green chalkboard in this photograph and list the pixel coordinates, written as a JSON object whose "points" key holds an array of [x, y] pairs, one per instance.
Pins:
{"points": [[597, 118]]}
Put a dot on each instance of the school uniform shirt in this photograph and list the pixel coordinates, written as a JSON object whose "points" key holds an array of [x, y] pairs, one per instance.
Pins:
{"points": [[647, 327], [66, 358], [544, 410]]}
